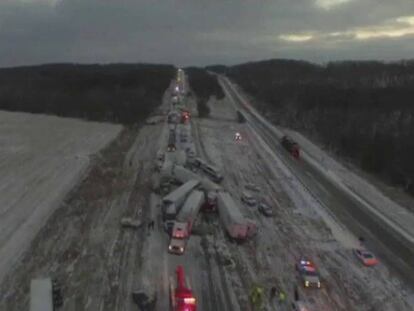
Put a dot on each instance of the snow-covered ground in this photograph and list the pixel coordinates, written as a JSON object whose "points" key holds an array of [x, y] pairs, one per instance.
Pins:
{"points": [[41, 159], [398, 216], [395, 215], [301, 226]]}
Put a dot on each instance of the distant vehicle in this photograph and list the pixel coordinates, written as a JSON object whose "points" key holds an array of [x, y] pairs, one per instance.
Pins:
{"points": [[191, 153], [237, 226], [184, 175], [190, 209], [185, 116], [181, 296], [308, 273], [248, 198], [237, 136], [198, 162], [299, 306], [45, 295], [366, 257], [173, 117], [252, 187], [265, 209], [171, 141], [171, 147], [174, 99], [210, 204], [291, 146], [212, 172], [178, 238]]}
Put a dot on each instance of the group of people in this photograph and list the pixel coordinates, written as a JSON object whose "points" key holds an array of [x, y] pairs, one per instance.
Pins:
{"points": [[257, 296]]}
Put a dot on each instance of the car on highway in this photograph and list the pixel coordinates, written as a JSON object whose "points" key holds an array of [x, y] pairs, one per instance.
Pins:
{"points": [[248, 198], [265, 209], [367, 258], [252, 187], [177, 246], [308, 273]]}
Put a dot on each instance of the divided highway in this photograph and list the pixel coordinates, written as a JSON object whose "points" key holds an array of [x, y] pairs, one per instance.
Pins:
{"points": [[387, 242]]}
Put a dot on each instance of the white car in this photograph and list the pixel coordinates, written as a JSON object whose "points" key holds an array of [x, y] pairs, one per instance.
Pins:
{"points": [[265, 209], [237, 136], [252, 187], [248, 198]]}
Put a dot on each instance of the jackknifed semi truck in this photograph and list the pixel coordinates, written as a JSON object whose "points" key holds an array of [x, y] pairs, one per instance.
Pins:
{"points": [[173, 201], [236, 225], [184, 222]]}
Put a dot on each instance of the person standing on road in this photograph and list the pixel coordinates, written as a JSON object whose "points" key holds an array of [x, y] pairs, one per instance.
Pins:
{"points": [[296, 293], [282, 297], [273, 292]]}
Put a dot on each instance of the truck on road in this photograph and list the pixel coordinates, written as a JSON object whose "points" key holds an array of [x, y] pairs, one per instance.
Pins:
{"points": [[45, 295], [172, 202], [184, 222], [183, 175], [181, 295], [190, 209], [290, 145], [237, 226]]}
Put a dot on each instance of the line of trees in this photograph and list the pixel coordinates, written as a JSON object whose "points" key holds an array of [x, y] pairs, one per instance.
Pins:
{"points": [[361, 110], [119, 93], [204, 85]]}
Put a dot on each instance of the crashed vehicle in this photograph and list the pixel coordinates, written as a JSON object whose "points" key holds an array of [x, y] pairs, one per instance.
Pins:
{"points": [[367, 258], [265, 209], [308, 273], [248, 198]]}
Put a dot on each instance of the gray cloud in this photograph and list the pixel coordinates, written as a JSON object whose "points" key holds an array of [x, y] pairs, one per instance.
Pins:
{"points": [[191, 32]]}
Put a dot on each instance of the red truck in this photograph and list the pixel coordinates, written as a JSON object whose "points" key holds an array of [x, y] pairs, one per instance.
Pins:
{"points": [[181, 296], [290, 145], [184, 222]]}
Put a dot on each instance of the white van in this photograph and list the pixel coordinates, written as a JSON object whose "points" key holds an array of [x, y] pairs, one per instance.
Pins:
{"points": [[248, 198]]}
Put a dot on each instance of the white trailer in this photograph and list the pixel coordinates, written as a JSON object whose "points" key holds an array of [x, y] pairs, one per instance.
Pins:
{"points": [[182, 174], [190, 209], [177, 197], [41, 298], [237, 226]]}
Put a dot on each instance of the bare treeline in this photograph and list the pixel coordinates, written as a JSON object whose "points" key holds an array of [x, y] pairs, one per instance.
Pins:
{"points": [[361, 110], [119, 93], [203, 85]]}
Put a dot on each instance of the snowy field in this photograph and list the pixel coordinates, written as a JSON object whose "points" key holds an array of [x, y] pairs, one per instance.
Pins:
{"points": [[41, 159]]}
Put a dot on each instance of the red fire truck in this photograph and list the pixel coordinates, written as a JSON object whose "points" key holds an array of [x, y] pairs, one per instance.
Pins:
{"points": [[181, 297]]}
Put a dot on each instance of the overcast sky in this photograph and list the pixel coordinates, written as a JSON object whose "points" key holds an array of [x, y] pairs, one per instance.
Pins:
{"points": [[200, 32]]}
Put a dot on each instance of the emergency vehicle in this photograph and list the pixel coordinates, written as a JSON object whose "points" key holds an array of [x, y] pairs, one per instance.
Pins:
{"points": [[181, 297], [308, 273]]}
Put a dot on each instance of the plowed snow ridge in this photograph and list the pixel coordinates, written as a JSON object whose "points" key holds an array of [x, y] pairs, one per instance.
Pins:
{"points": [[41, 159]]}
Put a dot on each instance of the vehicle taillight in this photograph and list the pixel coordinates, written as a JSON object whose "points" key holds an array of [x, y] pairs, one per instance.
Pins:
{"points": [[190, 301]]}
